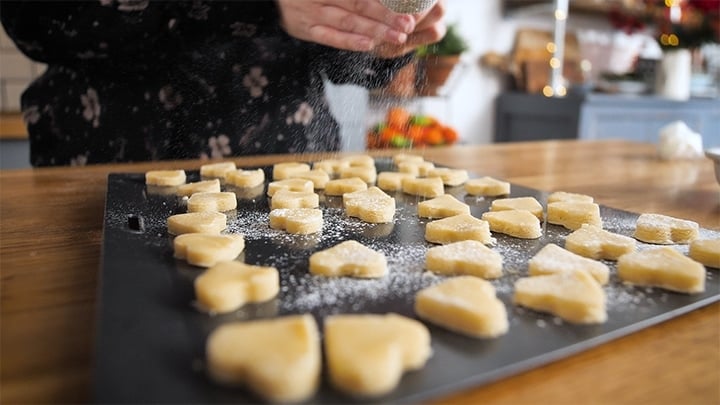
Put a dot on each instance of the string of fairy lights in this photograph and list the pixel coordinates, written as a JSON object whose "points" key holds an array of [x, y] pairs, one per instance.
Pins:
{"points": [[556, 87]]}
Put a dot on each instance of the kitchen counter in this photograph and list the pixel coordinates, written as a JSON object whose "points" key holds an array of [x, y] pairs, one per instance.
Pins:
{"points": [[51, 234]]}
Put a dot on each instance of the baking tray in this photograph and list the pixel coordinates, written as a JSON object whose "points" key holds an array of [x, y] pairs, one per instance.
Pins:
{"points": [[150, 337]]}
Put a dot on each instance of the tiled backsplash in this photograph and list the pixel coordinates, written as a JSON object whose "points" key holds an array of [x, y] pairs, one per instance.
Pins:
{"points": [[16, 71]]}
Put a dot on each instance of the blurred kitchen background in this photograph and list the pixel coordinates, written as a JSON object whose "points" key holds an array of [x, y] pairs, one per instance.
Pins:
{"points": [[626, 69]]}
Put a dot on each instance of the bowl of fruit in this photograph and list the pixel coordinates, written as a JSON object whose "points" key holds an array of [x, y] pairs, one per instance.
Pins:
{"points": [[403, 129]]}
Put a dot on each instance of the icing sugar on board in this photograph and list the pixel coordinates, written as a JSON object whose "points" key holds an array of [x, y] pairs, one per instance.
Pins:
{"points": [[150, 337]]}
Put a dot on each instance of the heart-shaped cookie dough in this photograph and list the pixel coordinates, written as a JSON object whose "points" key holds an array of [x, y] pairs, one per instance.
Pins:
{"points": [[349, 258], [367, 354], [292, 184], [573, 214], [392, 181], [665, 230], [518, 203], [468, 257], [371, 205], [573, 296], [203, 186], [464, 304], [219, 169], [165, 177], [596, 243], [516, 223], [554, 259], [228, 286], [294, 199], [450, 177], [206, 250], [342, 186], [662, 267], [318, 177], [424, 187], [245, 178], [283, 170], [443, 206], [212, 202], [197, 222], [299, 221], [279, 359], [458, 228]]}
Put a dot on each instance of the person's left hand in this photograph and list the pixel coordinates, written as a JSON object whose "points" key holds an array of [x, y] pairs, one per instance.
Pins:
{"points": [[429, 28]]}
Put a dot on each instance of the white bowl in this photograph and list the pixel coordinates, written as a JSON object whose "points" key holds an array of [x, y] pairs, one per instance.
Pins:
{"points": [[714, 154]]}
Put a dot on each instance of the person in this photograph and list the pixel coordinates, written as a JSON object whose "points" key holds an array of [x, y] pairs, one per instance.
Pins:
{"points": [[138, 80]]}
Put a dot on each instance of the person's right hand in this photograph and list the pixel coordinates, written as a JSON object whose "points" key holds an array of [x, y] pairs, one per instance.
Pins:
{"points": [[353, 25]]}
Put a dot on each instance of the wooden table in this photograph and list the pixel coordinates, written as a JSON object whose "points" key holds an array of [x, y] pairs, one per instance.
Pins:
{"points": [[50, 250]]}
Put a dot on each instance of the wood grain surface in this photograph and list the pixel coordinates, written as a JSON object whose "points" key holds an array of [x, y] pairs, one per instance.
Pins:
{"points": [[50, 238]]}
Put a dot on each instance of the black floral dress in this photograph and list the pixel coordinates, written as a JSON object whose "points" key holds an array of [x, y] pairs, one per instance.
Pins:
{"points": [[137, 80]]}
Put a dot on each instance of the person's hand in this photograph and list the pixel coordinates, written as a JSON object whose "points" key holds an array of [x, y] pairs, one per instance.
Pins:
{"points": [[353, 25], [429, 28]]}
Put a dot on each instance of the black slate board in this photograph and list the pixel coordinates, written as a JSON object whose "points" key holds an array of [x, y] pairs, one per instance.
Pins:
{"points": [[150, 338]]}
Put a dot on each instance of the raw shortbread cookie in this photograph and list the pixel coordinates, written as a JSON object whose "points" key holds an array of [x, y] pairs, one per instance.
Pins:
{"points": [[359, 161], [665, 230], [299, 221], [196, 222], [596, 243], [319, 178], [516, 223], [423, 187], [282, 171], [245, 178], [228, 286], [553, 259], [466, 305], [349, 258], [450, 177], [706, 251], [279, 359], [558, 196], [165, 177], [367, 354], [662, 267], [487, 187], [367, 173], [574, 296], [441, 207], [371, 205], [572, 214], [330, 166], [294, 199], [204, 186], [302, 185], [415, 168], [207, 250], [218, 170], [518, 203], [342, 186], [458, 228], [214, 201], [406, 157], [392, 181], [468, 257]]}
